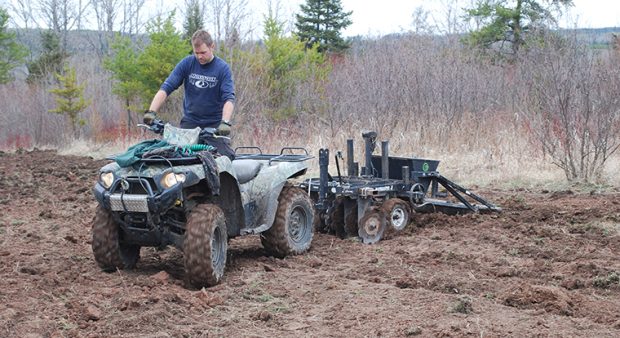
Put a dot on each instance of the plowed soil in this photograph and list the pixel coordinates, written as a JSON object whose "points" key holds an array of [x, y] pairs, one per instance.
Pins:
{"points": [[547, 266]]}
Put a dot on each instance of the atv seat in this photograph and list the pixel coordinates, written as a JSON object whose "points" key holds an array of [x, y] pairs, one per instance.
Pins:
{"points": [[246, 169]]}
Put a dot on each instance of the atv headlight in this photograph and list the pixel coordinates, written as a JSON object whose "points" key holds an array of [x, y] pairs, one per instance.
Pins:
{"points": [[106, 179], [170, 179]]}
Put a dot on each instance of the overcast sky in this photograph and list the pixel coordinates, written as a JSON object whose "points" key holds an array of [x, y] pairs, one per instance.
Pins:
{"points": [[390, 16], [376, 18]]}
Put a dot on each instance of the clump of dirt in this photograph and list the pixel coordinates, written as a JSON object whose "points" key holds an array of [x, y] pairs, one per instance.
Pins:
{"points": [[550, 299]]}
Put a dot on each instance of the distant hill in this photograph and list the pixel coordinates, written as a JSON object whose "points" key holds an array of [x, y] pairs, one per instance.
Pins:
{"points": [[95, 42], [79, 41], [597, 37]]}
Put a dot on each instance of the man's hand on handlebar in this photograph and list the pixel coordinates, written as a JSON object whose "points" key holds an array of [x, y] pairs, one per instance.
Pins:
{"points": [[157, 126], [149, 117], [208, 132], [224, 128]]}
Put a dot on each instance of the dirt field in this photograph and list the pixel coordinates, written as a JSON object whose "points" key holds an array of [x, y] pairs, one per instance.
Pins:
{"points": [[547, 266]]}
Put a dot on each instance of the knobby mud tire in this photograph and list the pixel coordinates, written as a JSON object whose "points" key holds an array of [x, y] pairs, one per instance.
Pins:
{"points": [[108, 249], [293, 227], [205, 246]]}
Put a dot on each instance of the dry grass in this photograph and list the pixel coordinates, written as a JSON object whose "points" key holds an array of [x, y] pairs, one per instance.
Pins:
{"points": [[490, 155]]}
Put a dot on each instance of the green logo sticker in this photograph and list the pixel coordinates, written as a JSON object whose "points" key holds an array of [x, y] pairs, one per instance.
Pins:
{"points": [[425, 167]]}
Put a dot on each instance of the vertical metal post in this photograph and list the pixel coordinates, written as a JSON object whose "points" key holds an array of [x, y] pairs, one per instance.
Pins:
{"points": [[323, 176], [350, 159], [385, 164], [368, 148], [405, 174]]}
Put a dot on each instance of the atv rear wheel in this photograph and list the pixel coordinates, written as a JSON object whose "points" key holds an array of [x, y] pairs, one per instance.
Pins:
{"points": [[110, 252], [205, 246], [293, 229]]}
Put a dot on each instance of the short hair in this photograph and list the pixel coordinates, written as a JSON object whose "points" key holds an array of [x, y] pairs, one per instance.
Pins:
{"points": [[202, 36]]}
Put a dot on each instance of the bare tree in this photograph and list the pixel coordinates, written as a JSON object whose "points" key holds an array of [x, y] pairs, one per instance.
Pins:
{"points": [[82, 9], [227, 18], [61, 16], [572, 106], [132, 21], [22, 10], [106, 13], [420, 21]]}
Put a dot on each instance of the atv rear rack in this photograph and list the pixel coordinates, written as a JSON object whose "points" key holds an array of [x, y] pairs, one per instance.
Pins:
{"points": [[287, 154]]}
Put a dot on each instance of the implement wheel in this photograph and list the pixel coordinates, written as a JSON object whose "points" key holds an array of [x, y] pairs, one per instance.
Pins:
{"points": [[109, 250], [397, 213], [205, 246]]}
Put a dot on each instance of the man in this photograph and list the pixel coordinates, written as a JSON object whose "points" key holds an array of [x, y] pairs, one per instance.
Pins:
{"points": [[209, 92]]}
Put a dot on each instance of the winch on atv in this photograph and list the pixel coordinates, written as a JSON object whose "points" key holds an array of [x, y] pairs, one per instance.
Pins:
{"points": [[186, 195]]}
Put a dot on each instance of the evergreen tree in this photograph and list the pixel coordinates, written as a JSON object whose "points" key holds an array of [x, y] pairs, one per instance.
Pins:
{"points": [[166, 48], [140, 70], [125, 70], [51, 59], [289, 63], [70, 98], [321, 23], [194, 18], [11, 53], [509, 20]]}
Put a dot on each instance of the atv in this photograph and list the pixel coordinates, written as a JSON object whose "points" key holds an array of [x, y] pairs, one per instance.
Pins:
{"points": [[189, 197]]}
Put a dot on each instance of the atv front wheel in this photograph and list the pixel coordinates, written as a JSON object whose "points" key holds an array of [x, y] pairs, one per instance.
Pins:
{"points": [[110, 252], [205, 246], [293, 229]]}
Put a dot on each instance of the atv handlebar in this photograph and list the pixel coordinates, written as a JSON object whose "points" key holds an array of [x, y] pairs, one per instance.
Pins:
{"points": [[158, 128]]}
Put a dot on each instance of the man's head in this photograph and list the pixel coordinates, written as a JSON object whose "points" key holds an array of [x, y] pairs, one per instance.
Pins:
{"points": [[203, 46]]}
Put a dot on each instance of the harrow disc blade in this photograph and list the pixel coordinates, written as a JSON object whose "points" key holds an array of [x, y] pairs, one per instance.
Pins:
{"points": [[371, 226], [350, 218], [335, 223]]}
